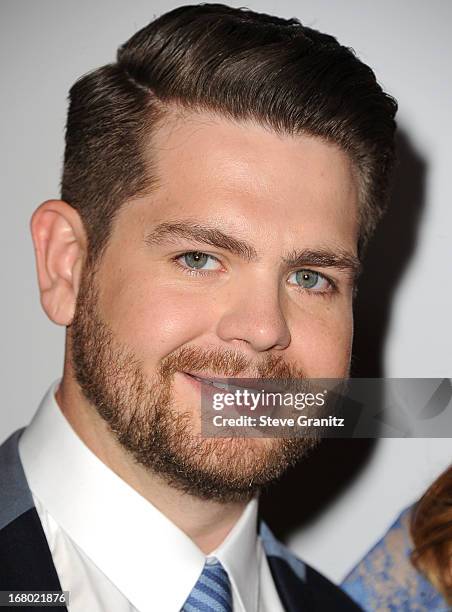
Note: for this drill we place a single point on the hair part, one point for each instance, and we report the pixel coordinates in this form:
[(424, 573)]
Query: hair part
[(242, 65)]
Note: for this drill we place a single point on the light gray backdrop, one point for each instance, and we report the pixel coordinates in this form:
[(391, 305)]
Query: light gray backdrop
[(46, 45)]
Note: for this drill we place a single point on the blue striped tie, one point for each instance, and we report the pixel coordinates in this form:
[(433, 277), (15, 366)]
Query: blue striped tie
[(212, 592)]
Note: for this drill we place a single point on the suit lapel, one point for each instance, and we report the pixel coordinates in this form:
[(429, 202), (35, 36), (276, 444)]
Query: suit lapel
[(25, 559), (288, 573), (293, 592), (299, 586), (26, 562)]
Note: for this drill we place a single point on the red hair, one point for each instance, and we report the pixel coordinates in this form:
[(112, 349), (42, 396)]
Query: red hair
[(431, 530)]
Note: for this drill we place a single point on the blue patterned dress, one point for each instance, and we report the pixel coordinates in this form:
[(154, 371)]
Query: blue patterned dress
[(385, 581)]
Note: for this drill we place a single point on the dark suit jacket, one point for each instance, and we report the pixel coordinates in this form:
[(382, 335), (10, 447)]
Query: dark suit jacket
[(26, 562)]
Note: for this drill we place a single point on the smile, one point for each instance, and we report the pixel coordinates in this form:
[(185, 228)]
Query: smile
[(225, 386), (212, 383)]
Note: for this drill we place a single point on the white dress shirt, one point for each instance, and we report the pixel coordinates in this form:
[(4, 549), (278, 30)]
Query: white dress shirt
[(112, 549)]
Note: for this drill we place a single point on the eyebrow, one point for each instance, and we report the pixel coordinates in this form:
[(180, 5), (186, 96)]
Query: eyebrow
[(323, 257), (201, 233)]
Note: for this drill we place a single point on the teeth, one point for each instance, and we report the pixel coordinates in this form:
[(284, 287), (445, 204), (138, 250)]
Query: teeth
[(218, 385), (212, 383)]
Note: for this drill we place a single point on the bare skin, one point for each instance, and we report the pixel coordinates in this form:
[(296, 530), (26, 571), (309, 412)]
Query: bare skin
[(280, 194)]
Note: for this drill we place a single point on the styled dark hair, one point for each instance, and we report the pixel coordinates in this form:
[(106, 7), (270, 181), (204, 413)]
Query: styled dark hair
[(234, 62)]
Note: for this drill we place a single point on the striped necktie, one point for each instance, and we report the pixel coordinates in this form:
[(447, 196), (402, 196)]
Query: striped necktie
[(212, 592)]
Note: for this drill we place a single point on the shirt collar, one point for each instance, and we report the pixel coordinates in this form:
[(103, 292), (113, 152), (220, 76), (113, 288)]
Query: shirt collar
[(102, 514)]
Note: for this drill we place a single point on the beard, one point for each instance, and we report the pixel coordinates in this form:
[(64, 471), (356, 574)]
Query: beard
[(162, 434)]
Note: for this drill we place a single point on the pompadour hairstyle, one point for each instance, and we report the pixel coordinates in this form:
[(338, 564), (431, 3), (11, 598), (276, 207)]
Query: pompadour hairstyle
[(240, 64)]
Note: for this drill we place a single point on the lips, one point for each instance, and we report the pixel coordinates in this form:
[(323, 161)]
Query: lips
[(209, 381), (227, 384)]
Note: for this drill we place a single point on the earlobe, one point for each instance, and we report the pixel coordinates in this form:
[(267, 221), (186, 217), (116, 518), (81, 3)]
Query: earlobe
[(60, 247)]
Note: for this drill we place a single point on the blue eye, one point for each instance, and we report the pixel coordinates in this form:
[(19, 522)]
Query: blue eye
[(195, 260), (312, 281)]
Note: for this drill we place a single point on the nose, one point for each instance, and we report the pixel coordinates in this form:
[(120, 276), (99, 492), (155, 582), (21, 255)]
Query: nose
[(254, 315)]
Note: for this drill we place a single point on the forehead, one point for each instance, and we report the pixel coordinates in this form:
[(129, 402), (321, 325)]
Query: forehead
[(240, 172)]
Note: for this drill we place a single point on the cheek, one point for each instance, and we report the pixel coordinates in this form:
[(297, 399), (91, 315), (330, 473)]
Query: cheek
[(153, 319), (322, 344)]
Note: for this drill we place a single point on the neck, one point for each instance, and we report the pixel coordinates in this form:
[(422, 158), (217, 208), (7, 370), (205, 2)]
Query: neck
[(206, 522)]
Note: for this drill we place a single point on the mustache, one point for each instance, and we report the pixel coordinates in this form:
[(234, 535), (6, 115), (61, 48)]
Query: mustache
[(226, 362)]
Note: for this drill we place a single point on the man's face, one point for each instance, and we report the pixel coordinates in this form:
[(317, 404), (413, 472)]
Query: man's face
[(238, 264)]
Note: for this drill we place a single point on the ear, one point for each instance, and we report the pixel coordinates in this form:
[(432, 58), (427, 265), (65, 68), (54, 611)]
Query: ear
[(60, 248)]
